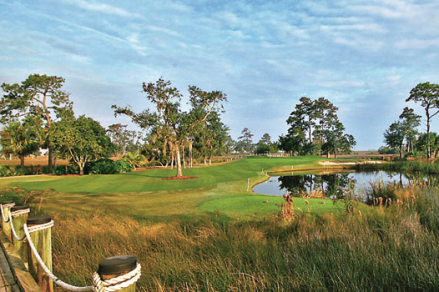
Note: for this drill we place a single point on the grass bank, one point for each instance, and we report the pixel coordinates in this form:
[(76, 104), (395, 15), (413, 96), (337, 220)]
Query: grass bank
[(385, 249)]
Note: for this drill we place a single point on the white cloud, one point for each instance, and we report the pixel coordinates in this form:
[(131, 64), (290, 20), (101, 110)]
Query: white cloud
[(355, 53), (104, 8), (417, 44), (163, 30)]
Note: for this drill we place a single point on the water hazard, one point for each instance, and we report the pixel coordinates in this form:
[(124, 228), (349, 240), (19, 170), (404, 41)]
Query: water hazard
[(329, 185)]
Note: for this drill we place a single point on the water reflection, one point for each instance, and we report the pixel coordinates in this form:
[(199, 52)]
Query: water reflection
[(334, 185), (316, 185)]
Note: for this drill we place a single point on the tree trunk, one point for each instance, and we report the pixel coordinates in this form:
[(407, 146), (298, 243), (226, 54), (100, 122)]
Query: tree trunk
[(81, 168), (50, 159), (205, 160), (210, 160), (428, 132), (183, 158), (179, 170), (190, 154), (22, 160)]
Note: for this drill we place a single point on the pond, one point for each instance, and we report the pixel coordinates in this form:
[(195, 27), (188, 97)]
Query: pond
[(334, 185)]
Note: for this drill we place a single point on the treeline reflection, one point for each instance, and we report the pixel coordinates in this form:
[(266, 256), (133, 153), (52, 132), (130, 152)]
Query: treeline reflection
[(337, 185)]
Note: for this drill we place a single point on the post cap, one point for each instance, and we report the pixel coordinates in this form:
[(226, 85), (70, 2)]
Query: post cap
[(17, 208), (117, 265), (7, 202), (38, 220)]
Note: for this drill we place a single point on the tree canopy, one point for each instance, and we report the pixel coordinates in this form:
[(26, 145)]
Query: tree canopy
[(19, 139), (315, 129), (39, 98), (167, 121), (82, 139), (427, 94)]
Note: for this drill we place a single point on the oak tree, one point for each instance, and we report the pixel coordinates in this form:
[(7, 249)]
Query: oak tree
[(83, 139), (167, 120), (39, 97), (428, 95)]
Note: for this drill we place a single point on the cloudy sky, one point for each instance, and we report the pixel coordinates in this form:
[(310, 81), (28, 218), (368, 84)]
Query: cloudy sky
[(362, 55)]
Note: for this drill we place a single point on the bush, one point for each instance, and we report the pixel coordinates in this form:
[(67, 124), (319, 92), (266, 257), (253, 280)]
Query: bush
[(123, 166), (100, 166), (63, 170), (13, 171), (387, 150), (4, 171), (107, 166)]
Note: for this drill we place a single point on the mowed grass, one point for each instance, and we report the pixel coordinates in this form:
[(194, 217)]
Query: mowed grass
[(152, 180), (144, 195)]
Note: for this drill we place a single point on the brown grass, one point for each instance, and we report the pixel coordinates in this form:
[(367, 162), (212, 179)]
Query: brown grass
[(28, 161)]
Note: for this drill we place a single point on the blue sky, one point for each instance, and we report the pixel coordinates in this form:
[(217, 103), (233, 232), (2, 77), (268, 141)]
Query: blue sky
[(364, 56)]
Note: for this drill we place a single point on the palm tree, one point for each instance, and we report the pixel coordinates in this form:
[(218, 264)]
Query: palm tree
[(134, 158), (18, 139)]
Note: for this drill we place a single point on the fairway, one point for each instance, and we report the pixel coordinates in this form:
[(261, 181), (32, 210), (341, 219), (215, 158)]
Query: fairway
[(144, 195)]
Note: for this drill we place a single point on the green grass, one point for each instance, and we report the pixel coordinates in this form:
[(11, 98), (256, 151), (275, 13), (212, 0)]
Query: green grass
[(211, 234), (144, 195), (151, 180)]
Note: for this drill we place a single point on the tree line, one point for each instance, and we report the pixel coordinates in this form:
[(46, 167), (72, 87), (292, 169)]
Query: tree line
[(38, 114), (316, 130), (404, 137)]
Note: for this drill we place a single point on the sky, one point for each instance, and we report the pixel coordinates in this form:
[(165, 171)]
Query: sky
[(363, 55)]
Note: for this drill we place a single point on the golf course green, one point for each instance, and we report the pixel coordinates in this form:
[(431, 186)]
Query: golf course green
[(145, 195)]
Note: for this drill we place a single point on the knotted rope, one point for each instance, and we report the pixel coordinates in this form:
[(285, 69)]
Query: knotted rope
[(40, 227), (20, 212), (110, 285), (117, 283)]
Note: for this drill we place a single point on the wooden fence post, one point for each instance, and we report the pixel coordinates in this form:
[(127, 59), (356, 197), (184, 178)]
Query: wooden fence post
[(124, 271), (6, 207), (42, 239), (19, 215)]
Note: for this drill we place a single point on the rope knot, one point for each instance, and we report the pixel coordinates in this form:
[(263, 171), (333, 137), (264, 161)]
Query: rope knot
[(117, 283)]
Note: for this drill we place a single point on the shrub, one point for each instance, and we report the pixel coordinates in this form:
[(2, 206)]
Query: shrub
[(122, 165), (4, 171), (13, 171), (63, 170), (107, 166), (100, 166)]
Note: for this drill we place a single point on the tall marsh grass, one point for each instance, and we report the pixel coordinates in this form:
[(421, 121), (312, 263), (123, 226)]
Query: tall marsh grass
[(390, 248), (385, 247)]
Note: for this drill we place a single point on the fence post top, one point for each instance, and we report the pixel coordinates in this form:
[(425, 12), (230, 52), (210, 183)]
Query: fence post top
[(39, 220), (17, 208), (117, 265), (7, 204)]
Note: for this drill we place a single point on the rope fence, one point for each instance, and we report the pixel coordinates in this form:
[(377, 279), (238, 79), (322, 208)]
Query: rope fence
[(118, 273), (9, 205), (16, 213)]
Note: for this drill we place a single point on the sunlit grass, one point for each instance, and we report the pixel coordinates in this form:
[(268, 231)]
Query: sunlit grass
[(211, 234)]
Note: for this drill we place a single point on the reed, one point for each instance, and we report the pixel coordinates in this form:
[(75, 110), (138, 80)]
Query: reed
[(384, 249)]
